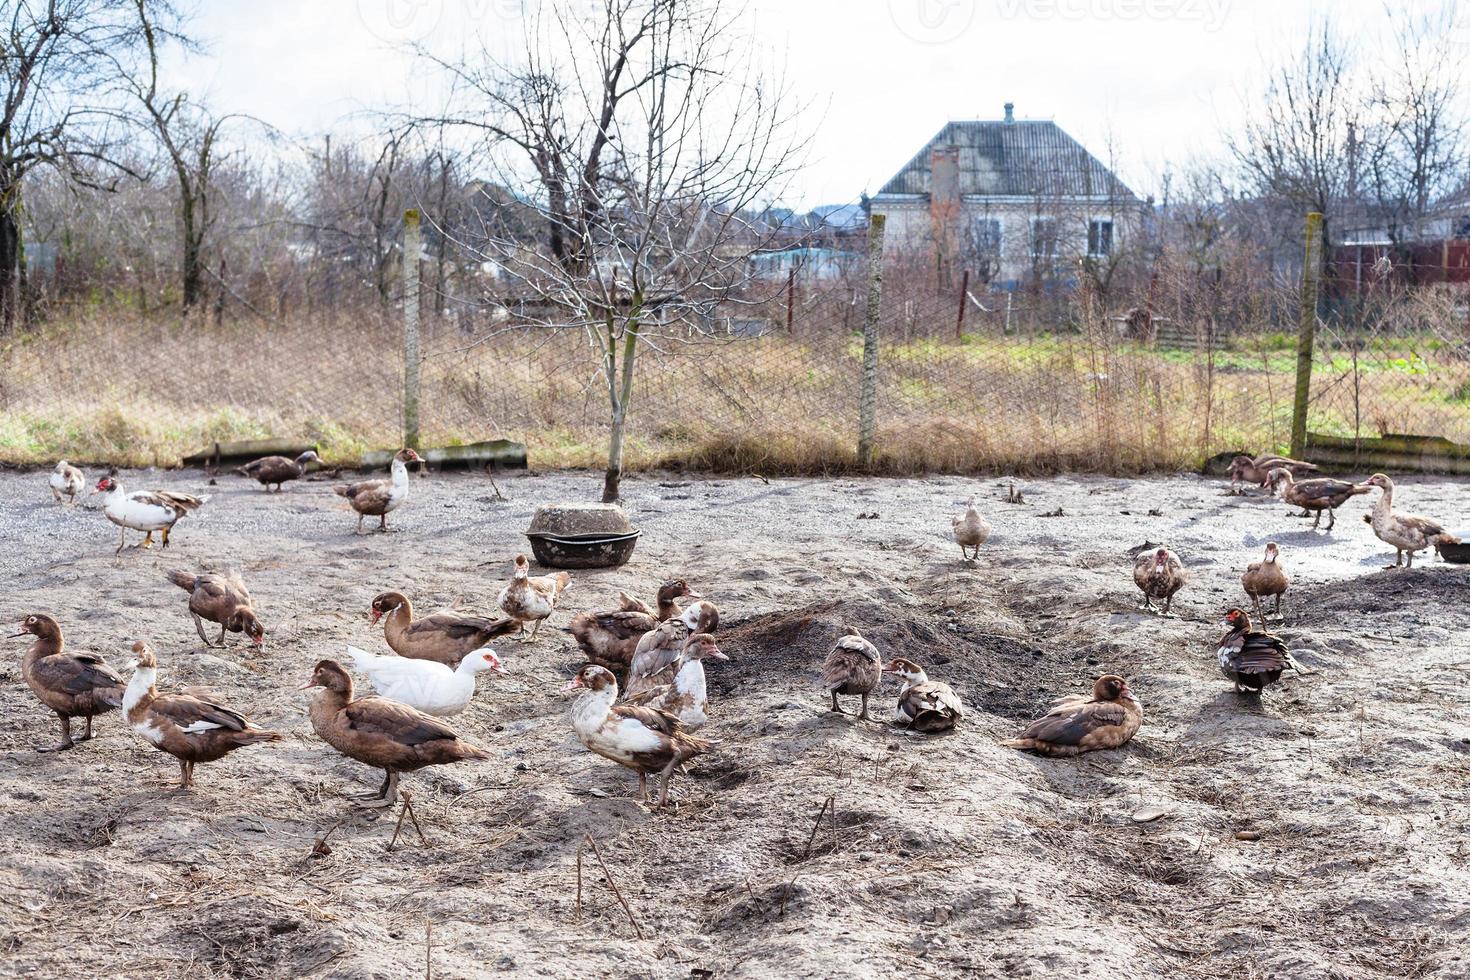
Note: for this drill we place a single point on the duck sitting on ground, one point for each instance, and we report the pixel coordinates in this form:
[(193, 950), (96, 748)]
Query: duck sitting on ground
[(686, 696), (74, 685), (1159, 573), (388, 735), (1256, 471), (66, 480), (379, 498), (444, 637), (646, 740), (1250, 658), (610, 639), (188, 728), (852, 668), (923, 705), (656, 657), (1266, 578), (144, 510), (222, 599), (1408, 533), (531, 599), (1078, 724), (1314, 496), (427, 685), (277, 470), (970, 530)]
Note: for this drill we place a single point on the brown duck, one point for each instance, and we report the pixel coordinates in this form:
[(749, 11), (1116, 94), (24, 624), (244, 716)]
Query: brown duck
[(188, 728), (1248, 657), (923, 705), (609, 639), (444, 637), (74, 685), (222, 599), (385, 734), (1257, 470), (277, 470), (532, 598), (853, 668), (1080, 724), (1323, 493), (655, 660), (1266, 578), (379, 498), (1159, 574)]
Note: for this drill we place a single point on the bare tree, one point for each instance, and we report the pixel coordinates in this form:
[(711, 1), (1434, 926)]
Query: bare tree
[(642, 144)]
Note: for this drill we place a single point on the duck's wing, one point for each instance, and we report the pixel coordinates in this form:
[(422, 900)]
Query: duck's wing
[(461, 627), (1261, 653), (399, 722), (175, 500), (627, 603), (1424, 525), (78, 673), (650, 698), (367, 492), (1069, 724), (936, 696), (194, 714), (654, 719)]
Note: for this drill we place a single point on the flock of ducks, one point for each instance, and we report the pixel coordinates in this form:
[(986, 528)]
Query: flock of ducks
[(644, 693)]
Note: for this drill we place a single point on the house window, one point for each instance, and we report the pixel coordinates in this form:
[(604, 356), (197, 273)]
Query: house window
[(987, 237), (1462, 226), (1099, 238), (1043, 238)]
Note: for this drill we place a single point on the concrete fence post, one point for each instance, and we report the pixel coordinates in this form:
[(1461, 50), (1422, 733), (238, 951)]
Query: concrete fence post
[(411, 328), (1306, 330), (868, 405)]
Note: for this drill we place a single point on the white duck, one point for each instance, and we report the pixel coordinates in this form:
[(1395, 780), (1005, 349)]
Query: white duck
[(144, 510), (427, 685), (66, 479)]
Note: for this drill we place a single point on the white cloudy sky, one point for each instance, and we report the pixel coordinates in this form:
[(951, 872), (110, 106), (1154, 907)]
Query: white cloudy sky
[(1160, 77)]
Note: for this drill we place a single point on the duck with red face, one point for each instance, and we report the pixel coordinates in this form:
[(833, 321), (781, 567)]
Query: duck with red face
[(1250, 658)]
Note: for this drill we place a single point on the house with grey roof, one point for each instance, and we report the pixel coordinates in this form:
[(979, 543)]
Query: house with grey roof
[(1016, 202)]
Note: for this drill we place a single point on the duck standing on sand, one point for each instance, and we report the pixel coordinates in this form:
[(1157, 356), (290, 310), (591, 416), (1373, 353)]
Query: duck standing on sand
[(74, 685), (387, 735), (222, 599), (1257, 470), (379, 498), (144, 510), (277, 470), (685, 696), (1314, 496), (1408, 533), (1159, 574), (656, 657), (431, 687), (646, 740), (1250, 658), (1266, 578), (610, 639), (444, 637), (970, 530), (66, 479), (529, 599), (923, 705), (852, 668), (1079, 724), (190, 729)]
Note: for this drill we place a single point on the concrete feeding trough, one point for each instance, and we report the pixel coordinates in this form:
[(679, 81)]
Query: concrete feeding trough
[(581, 536), (1457, 553), (498, 453), (245, 450)]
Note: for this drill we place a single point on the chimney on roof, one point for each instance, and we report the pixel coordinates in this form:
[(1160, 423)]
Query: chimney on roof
[(1010, 112)]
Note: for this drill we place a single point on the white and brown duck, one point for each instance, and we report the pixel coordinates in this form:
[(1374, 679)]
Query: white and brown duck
[(220, 598), (610, 639), (1314, 496), (643, 739), (970, 530), (655, 659), (532, 598), (1248, 657), (1266, 578), (1407, 533), (387, 735), (1159, 574), (74, 685), (66, 481), (853, 668), (445, 637), (379, 498), (1078, 724), (685, 696), (144, 510), (923, 705), (190, 729), (271, 471), (1256, 470)]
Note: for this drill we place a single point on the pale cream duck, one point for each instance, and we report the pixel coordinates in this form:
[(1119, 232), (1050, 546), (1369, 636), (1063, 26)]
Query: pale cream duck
[(1266, 578), (532, 599), (970, 530), (66, 480), (1407, 533), (427, 685)]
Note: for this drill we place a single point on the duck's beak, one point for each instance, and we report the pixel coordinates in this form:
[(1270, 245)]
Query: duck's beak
[(496, 668), (718, 654), (572, 684), (374, 615), (16, 636), (693, 595), (309, 684)]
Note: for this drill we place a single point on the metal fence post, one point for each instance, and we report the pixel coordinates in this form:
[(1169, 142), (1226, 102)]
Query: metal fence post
[(868, 405), (411, 328), (959, 322), (1306, 331)]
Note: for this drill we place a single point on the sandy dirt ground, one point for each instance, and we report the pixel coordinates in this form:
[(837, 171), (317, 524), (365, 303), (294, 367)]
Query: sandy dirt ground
[(948, 856)]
